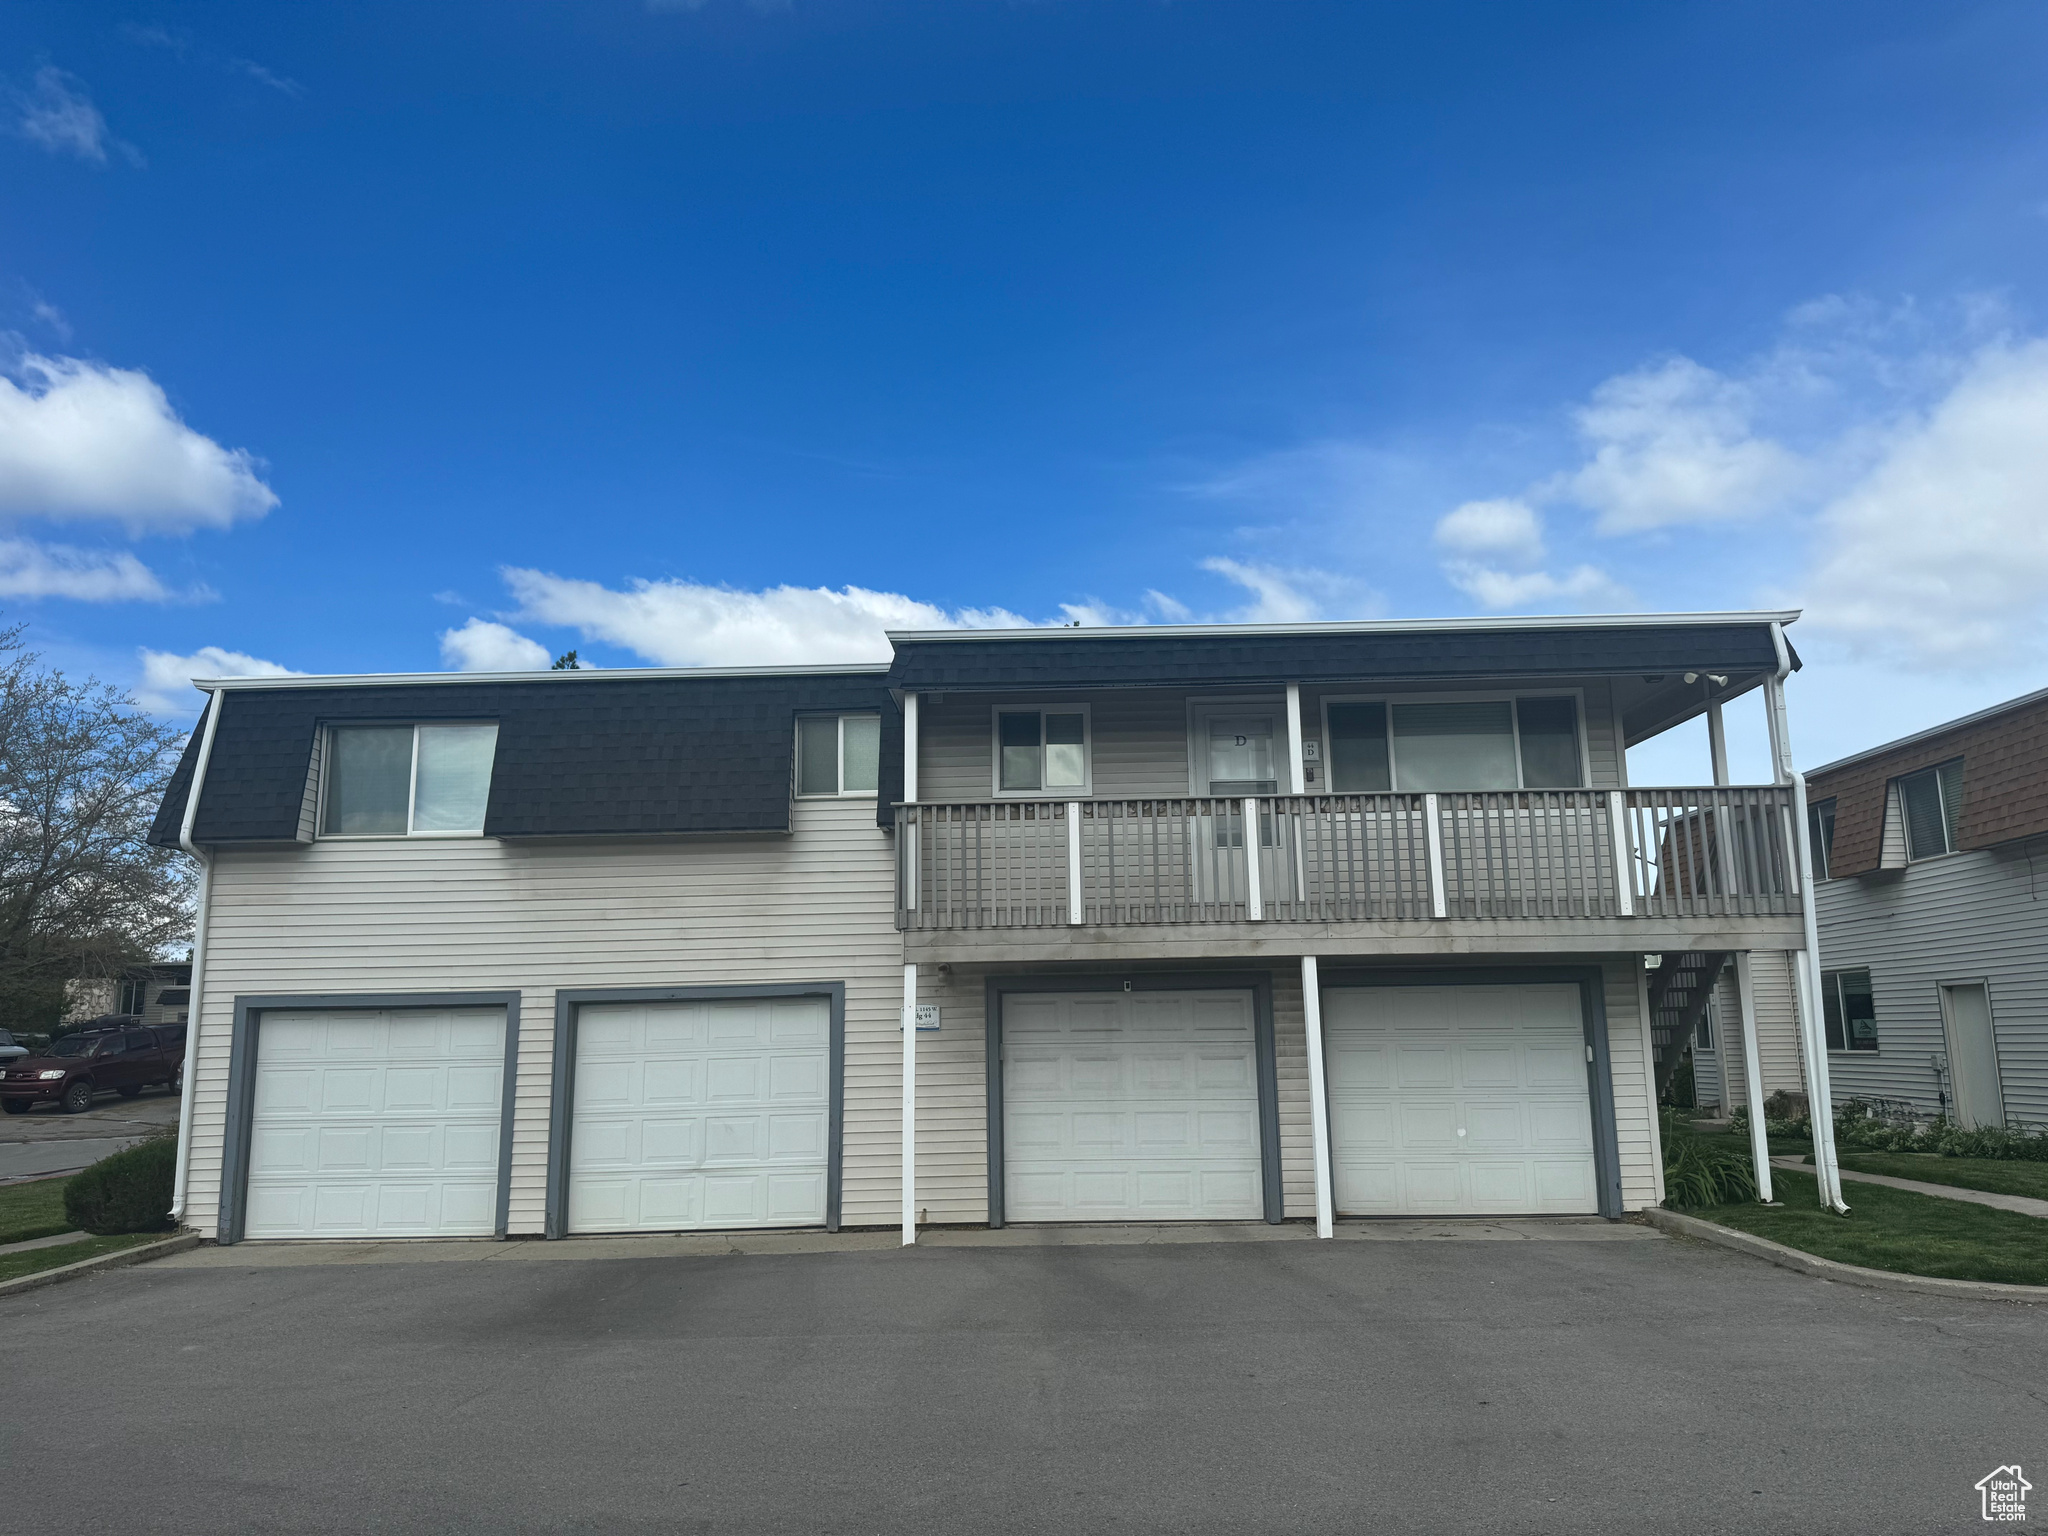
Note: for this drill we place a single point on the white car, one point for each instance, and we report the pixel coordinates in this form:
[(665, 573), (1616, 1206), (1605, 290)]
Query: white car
[(9, 1051)]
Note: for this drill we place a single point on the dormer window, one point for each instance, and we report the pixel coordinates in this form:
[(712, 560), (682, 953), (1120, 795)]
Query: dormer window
[(407, 780), (838, 754), (1933, 802)]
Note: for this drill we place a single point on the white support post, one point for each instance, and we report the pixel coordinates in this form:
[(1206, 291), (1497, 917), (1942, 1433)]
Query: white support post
[(1318, 1093), (1717, 742), (1254, 899), (910, 748), (1438, 905), (1753, 1079), (1297, 768), (1820, 1105), (1617, 834), (1074, 912), (909, 1105)]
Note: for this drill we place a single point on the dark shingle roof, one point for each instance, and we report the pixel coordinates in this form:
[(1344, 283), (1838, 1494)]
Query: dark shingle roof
[(588, 756)]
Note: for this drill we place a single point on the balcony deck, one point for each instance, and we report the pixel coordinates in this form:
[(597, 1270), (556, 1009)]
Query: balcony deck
[(1507, 872)]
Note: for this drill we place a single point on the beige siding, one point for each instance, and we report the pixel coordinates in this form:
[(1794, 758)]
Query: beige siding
[(1628, 1058), (309, 806), (484, 915), (1139, 736)]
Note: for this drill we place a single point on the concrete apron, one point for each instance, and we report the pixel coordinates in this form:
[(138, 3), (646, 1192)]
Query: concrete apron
[(271, 1255)]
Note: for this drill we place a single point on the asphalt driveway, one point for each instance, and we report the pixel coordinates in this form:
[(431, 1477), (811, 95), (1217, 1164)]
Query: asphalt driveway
[(46, 1140), (1286, 1387)]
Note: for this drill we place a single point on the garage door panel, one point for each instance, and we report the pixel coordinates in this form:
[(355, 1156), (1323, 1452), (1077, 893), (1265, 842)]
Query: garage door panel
[(750, 1145), (1505, 1065), (1130, 1107), (370, 1123)]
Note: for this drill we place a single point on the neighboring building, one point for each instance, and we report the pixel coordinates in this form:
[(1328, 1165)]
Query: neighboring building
[(641, 950), (1933, 916), (156, 994)]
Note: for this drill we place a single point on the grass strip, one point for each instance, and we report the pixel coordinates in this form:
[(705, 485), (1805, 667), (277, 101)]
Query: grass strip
[(34, 1209), (14, 1265), (1897, 1230), (1997, 1176)]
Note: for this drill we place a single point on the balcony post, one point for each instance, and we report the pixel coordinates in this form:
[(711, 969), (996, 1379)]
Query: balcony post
[(909, 1105), (1074, 913), (1438, 905), (1753, 1079), (1618, 835), (1254, 902), (1318, 1093)]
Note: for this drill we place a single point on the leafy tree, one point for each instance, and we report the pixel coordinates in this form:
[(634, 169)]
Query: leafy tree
[(566, 662), (81, 891)]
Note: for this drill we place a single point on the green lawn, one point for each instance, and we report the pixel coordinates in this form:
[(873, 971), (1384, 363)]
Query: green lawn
[(2001, 1176), (1898, 1230), (14, 1265), (32, 1210)]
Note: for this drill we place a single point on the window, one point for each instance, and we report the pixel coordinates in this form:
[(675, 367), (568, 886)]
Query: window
[(140, 1040), (1041, 751), (1530, 743), (1703, 1032), (838, 754), (1820, 832), (111, 1045), (408, 780), (132, 995), (174, 997), (1846, 1006), (1933, 799)]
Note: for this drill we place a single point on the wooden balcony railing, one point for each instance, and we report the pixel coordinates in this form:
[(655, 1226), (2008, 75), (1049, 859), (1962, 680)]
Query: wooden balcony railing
[(1508, 854)]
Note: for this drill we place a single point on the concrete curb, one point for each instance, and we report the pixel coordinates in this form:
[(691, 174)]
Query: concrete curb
[(1830, 1269), (142, 1253)]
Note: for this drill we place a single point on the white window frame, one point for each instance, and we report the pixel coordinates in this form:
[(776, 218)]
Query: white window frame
[(412, 785), (841, 793), (1941, 799), (1831, 978), (1514, 720), (1086, 791)]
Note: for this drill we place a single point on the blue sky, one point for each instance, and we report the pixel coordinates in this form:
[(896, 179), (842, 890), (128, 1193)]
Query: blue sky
[(396, 337)]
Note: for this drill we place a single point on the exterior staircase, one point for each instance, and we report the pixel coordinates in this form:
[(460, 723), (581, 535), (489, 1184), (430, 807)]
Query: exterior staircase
[(1679, 990)]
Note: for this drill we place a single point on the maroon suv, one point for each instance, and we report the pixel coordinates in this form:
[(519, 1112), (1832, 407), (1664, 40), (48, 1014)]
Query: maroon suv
[(122, 1058)]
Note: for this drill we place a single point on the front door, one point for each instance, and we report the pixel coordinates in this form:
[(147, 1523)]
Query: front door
[(1973, 1055)]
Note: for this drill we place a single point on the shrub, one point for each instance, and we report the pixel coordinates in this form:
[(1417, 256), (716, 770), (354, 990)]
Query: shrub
[(1698, 1172), (1863, 1127), (128, 1192)]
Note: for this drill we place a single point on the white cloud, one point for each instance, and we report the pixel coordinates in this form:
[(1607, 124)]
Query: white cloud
[(1586, 588), (481, 646), (166, 684), (1938, 555), (1283, 595), (57, 114), (1672, 445), (1505, 529), (1496, 550), (29, 569), (82, 440), (689, 624)]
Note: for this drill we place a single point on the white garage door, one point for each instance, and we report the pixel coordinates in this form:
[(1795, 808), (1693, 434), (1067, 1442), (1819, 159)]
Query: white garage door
[(375, 1124), (1130, 1107), (1459, 1101), (700, 1115)]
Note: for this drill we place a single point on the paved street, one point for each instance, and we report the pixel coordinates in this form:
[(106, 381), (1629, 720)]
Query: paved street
[(47, 1140), (1567, 1386)]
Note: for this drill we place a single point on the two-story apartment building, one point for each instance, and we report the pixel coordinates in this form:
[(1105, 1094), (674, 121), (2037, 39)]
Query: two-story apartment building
[(1933, 917), (1201, 923)]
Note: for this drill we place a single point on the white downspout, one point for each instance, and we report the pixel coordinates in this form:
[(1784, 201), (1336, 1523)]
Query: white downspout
[(198, 998), (1819, 1091)]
